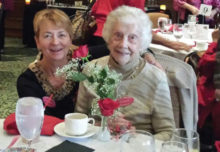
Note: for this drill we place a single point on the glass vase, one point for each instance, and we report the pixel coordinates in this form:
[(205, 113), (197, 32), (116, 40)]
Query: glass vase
[(104, 134)]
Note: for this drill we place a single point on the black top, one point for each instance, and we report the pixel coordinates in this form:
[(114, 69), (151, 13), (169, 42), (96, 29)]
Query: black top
[(28, 85)]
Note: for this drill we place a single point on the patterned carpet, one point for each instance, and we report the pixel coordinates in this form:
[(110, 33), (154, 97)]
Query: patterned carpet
[(14, 61)]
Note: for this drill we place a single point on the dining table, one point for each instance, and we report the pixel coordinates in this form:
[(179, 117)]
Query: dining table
[(44, 143), (181, 54)]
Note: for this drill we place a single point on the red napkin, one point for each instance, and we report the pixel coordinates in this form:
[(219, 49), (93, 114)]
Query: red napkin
[(49, 123), (171, 28), (217, 145)]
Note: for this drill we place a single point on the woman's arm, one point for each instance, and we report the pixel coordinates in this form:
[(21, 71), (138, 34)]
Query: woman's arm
[(171, 44), (27, 85), (191, 8)]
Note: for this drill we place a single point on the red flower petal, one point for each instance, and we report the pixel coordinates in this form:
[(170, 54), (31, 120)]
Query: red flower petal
[(82, 51), (125, 101)]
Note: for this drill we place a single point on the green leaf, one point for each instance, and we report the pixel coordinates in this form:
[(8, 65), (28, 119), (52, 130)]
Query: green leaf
[(78, 76), (110, 81), (103, 73), (91, 79)]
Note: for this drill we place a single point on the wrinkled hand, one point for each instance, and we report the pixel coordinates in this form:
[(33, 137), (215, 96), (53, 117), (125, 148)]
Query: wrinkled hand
[(151, 59), (119, 125), (217, 94), (180, 46)]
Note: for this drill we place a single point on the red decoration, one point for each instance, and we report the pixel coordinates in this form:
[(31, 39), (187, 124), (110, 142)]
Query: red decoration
[(125, 101), (81, 52), (107, 106)]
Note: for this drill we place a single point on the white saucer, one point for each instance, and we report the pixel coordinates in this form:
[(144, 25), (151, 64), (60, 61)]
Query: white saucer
[(60, 130)]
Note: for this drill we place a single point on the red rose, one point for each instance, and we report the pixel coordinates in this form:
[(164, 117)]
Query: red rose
[(81, 52), (107, 106)]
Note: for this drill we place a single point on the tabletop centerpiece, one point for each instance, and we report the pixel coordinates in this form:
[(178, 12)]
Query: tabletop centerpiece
[(103, 81)]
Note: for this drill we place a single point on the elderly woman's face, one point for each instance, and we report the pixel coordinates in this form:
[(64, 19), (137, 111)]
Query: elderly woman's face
[(53, 41), (124, 43)]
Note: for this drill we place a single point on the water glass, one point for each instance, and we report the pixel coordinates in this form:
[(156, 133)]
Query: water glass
[(192, 19), (189, 30), (162, 21), (174, 146), (168, 25), (178, 31), (137, 140), (189, 137), (29, 118)]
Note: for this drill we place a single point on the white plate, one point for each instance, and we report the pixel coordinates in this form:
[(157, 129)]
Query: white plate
[(60, 130)]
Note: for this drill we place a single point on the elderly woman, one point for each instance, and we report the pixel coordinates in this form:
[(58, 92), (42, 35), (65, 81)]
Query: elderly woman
[(53, 35), (127, 32)]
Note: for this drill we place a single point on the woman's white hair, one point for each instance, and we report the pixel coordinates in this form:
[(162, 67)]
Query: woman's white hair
[(129, 15)]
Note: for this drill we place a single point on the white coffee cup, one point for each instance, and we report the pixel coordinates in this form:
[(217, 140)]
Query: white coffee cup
[(77, 123)]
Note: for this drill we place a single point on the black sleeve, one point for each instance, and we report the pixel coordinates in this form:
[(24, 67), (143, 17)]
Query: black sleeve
[(28, 85)]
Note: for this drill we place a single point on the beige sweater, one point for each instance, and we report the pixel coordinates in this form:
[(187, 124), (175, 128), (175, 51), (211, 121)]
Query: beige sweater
[(151, 110)]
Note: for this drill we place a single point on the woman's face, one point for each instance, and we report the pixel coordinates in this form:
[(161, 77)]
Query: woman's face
[(124, 43), (53, 41)]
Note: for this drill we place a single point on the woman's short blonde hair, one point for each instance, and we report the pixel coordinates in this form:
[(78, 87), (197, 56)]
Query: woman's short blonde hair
[(129, 15), (58, 17)]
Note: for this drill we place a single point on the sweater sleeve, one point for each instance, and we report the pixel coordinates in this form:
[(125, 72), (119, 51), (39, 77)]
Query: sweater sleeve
[(27, 85), (162, 117)]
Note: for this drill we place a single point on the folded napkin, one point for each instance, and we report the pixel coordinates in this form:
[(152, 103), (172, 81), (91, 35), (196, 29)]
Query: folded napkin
[(67, 146), (217, 145), (48, 125)]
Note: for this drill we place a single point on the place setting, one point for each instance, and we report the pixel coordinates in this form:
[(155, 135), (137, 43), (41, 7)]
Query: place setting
[(76, 126)]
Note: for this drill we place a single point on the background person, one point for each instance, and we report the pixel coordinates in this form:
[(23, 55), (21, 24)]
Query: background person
[(183, 7), (7, 5), (102, 8), (127, 32), (53, 36)]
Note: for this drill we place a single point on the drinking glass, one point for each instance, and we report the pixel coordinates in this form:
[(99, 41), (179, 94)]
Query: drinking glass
[(191, 30), (168, 25), (174, 146), (162, 21), (178, 31), (189, 137), (191, 19), (29, 118), (137, 140)]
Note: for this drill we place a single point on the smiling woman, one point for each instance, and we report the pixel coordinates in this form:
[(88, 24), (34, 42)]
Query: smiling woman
[(53, 36), (127, 32)]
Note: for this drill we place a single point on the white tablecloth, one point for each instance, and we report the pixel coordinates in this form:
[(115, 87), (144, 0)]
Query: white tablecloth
[(46, 142), (178, 54)]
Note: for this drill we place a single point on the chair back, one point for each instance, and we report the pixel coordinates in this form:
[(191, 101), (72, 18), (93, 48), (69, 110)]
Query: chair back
[(154, 18), (183, 91)]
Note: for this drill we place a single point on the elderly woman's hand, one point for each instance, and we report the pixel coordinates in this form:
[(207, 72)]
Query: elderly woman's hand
[(151, 59), (119, 125)]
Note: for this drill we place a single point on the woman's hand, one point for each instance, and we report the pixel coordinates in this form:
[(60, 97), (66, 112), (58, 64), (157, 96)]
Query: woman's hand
[(151, 59), (191, 8), (119, 125)]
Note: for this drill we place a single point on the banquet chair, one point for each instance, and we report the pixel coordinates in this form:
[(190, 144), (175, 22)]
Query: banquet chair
[(154, 17), (182, 83)]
